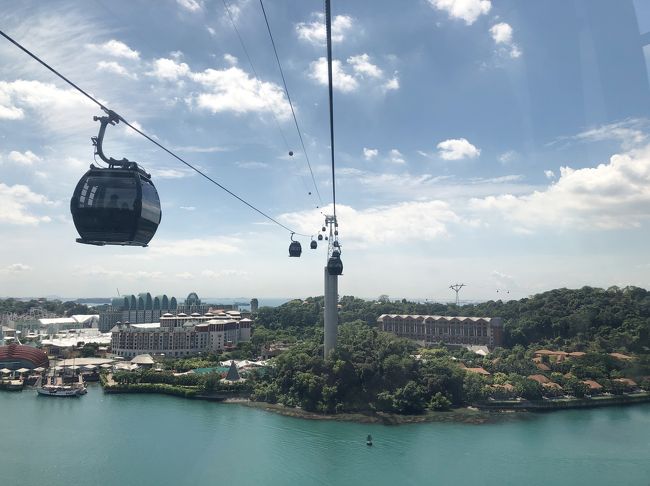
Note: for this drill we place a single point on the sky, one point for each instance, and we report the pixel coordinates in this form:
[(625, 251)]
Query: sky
[(500, 144)]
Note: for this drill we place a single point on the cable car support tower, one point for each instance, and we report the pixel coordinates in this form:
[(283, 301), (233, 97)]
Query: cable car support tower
[(334, 266)]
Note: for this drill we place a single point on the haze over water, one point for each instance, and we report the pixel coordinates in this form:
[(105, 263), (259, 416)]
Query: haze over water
[(148, 439)]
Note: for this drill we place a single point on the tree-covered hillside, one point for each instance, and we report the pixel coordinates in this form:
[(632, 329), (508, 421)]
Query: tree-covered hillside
[(611, 319)]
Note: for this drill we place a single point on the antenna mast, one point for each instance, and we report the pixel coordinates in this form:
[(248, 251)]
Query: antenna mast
[(456, 288)]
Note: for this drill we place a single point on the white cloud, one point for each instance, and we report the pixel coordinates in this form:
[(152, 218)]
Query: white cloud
[(170, 173), (515, 52), (361, 65), (369, 153), (507, 157), (188, 208), (115, 68), (233, 89), (341, 80), (17, 268), (10, 112), (252, 165), (58, 109), (549, 174), (610, 196), (502, 36), (169, 69), (396, 157), (115, 48), (503, 280), (27, 158), (224, 273), (192, 248), (191, 5), (392, 84), (200, 150), (230, 59), (467, 10), (314, 31), (628, 132), (13, 205), (121, 274), (501, 33), (457, 149), (416, 220)]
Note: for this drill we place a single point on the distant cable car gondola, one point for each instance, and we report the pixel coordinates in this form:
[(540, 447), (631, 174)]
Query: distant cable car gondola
[(320, 237), (118, 205), (334, 264), (295, 249), (313, 245)]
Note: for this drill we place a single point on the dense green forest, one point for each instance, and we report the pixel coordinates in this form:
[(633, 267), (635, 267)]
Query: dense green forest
[(55, 306), (611, 319), (375, 371)]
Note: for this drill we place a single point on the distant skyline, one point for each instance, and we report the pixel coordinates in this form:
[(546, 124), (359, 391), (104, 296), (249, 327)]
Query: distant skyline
[(500, 144)]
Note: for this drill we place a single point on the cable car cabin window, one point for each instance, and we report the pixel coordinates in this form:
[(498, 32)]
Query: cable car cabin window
[(121, 194), (150, 203)]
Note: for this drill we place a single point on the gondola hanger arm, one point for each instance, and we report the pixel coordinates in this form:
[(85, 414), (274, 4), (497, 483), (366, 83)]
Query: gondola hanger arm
[(112, 118)]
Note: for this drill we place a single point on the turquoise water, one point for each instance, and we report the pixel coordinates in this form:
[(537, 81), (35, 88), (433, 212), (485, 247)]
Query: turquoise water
[(218, 369), (157, 440)]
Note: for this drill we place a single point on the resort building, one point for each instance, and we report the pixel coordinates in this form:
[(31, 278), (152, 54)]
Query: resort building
[(181, 335), (145, 308), (444, 329)]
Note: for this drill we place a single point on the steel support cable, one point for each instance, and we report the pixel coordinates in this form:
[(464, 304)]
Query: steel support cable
[(293, 113), (250, 62), (328, 29), (226, 6), (162, 147)]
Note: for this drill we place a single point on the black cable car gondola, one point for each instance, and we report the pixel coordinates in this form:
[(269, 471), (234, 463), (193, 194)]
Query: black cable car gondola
[(313, 245), (334, 264), (320, 237), (118, 205), (295, 249)]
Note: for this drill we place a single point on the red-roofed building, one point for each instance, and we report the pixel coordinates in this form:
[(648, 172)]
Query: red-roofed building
[(541, 379)]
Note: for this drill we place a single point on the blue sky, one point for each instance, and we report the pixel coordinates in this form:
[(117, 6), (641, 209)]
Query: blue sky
[(498, 143)]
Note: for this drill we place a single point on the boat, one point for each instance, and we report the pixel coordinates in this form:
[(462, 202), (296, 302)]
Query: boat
[(54, 386), (62, 390), (11, 385), (369, 440)]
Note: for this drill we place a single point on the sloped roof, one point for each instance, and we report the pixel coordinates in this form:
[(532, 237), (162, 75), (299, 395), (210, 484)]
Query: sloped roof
[(143, 359), (593, 385), (541, 379), (419, 317)]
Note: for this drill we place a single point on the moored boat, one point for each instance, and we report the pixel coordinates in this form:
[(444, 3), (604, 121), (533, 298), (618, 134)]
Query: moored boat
[(73, 390), (55, 386)]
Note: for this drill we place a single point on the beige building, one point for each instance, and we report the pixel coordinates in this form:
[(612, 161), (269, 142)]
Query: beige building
[(181, 335), (446, 329)]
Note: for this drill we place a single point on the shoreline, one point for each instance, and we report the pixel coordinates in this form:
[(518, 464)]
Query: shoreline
[(467, 415), (483, 413)]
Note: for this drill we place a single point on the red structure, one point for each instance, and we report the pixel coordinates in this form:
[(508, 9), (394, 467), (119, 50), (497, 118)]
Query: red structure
[(17, 356)]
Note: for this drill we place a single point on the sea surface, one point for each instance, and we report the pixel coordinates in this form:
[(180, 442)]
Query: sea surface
[(158, 440)]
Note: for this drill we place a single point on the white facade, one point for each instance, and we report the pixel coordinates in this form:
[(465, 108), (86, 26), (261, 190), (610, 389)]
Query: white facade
[(180, 336)]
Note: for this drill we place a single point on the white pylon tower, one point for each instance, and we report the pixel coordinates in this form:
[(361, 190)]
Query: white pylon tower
[(331, 316), (456, 288)]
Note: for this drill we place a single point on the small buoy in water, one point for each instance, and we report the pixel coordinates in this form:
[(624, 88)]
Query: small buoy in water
[(369, 440), (290, 153)]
